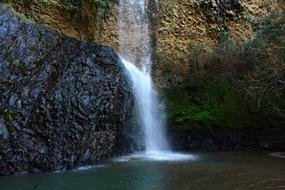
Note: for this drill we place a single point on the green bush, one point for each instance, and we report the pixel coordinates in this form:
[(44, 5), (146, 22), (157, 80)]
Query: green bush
[(209, 104), (256, 69), (237, 84)]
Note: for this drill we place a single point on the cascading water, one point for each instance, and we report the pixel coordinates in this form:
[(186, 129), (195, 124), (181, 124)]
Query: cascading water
[(135, 45), (151, 113), (134, 41)]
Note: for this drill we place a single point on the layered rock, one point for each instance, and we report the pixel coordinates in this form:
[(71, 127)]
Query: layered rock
[(190, 24), (178, 27), (62, 102)]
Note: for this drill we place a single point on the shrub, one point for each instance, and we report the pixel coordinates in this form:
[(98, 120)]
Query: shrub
[(209, 104), (89, 9), (256, 68)]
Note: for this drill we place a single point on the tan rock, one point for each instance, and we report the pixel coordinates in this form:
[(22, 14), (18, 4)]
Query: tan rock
[(182, 26)]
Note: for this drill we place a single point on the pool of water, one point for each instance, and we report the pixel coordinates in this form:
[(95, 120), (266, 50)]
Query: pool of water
[(201, 171)]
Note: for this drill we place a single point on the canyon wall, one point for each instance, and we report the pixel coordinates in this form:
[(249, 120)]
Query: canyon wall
[(178, 26)]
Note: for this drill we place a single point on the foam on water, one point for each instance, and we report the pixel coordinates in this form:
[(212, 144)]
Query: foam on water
[(158, 156), (88, 167)]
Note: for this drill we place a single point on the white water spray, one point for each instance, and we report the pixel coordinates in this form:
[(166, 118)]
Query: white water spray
[(150, 112), (134, 41)]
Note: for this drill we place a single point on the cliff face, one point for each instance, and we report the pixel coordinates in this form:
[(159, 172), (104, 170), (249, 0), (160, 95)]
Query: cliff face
[(190, 24), (181, 26), (178, 27), (62, 102)]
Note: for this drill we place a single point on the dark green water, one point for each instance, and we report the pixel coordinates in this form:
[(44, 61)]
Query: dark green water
[(211, 171)]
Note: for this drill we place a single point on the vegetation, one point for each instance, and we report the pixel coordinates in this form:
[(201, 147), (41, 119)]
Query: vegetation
[(256, 68), (87, 15), (20, 15), (89, 10), (208, 104), (8, 118), (237, 83)]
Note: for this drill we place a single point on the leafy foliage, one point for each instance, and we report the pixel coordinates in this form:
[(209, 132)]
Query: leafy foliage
[(209, 104), (256, 69), (238, 84)]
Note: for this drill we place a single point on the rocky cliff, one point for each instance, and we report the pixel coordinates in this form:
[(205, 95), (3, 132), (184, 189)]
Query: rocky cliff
[(190, 24), (179, 26), (62, 102)]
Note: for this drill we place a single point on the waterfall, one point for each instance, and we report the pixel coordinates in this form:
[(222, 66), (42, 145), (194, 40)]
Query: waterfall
[(150, 111), (136, 55), (134, 41)]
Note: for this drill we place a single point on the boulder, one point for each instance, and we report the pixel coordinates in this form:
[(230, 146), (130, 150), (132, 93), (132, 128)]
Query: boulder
[(62, 102)]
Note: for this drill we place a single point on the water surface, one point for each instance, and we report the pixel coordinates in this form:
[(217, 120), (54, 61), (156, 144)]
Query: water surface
[(205, 171)]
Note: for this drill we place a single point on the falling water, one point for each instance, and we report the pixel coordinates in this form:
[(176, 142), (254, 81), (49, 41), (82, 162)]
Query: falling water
[(151, 113), (134, 40)]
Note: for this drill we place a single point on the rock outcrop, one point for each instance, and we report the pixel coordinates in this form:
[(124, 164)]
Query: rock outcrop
[(62, 102), (190, 24), (179, 27)]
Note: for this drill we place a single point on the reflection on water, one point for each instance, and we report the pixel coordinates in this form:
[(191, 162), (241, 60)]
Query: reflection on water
[(214, 171)]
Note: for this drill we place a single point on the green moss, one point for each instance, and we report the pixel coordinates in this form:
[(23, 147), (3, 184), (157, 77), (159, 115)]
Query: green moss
[(210, 104), (8, 118), (84, 10), (90, 13), (71, 5), (23, 17)]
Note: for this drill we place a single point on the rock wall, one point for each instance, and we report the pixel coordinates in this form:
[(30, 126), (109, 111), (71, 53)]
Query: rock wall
[(62, 102), (54, 14), (180, 26), (189, 24)]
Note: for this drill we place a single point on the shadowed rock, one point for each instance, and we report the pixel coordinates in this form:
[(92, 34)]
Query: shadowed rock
[(62, 102)]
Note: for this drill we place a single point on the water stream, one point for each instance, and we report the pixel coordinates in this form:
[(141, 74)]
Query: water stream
[(135, 45)]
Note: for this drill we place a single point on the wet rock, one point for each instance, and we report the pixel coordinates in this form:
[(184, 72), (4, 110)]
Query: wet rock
[(3, 131), (259, 138), (63, 102)]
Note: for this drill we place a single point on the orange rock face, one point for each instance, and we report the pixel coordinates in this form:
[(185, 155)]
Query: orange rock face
[(181, 26)]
